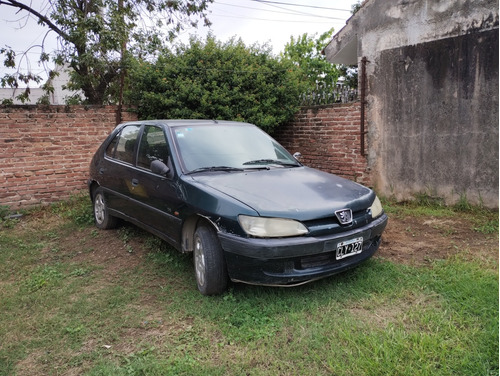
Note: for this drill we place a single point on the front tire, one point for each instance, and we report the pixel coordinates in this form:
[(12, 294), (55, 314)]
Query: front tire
[(102, 218), (209, 263)]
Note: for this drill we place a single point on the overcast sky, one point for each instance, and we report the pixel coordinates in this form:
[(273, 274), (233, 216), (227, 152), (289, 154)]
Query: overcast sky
[(255, 21), (274, 21)]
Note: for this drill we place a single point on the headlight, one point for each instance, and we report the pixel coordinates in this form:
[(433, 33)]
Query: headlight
[(271, 227), (376, 208)]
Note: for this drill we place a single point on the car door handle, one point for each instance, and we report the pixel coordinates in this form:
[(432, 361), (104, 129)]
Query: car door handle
[(135, 182)]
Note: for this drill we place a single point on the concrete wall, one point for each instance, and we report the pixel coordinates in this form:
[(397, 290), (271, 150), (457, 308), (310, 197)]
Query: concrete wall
[(45, 151), (440, 119), (328, 137), (432, 95)]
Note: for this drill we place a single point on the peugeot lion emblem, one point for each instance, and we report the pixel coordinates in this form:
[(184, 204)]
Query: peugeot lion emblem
[(344, 216)]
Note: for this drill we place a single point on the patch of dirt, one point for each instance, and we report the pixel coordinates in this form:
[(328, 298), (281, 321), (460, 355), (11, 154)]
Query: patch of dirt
[(116, 249), (107, 248), (420, 240)]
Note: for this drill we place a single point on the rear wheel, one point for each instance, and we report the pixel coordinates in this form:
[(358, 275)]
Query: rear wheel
[(103, 219), (209, 263)]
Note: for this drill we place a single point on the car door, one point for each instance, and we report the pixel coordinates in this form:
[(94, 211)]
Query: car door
[(116, 171), (157, 195)]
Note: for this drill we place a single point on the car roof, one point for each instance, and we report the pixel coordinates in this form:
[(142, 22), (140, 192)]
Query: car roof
[(186, 122)]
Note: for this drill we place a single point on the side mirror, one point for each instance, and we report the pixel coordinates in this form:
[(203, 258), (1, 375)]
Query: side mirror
[(297, 156), (160, 168)]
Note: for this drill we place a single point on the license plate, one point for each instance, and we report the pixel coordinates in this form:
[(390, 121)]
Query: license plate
[(349, 248)]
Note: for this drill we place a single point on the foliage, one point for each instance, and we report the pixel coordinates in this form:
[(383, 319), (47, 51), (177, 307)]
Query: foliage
[(356, 7), (15, 79), (94, 35), (214, 80), (306, 53), (350, 75)]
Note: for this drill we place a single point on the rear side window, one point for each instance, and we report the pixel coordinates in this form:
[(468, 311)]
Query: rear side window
[(122, 147)]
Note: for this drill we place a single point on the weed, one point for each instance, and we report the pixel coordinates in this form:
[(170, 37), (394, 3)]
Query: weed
[(424, 199), (463, 204), (80, 272), (78, 209), (490, 227), (8, 220), (126, 233), (42, 277), (4, 212)]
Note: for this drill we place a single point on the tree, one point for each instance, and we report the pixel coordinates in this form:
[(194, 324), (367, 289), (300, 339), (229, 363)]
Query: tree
[(94, 36), (214, 80), (306, 53), (356, 6)]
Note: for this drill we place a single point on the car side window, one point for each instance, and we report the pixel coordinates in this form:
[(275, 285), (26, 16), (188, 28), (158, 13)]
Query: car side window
[(110, 150), (123, 145), (153, 147)]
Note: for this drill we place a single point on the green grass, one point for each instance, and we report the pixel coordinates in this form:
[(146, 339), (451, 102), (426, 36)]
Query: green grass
[(62, 312)]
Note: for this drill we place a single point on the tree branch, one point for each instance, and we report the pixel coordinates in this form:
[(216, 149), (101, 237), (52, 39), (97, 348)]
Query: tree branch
[(41, 17)]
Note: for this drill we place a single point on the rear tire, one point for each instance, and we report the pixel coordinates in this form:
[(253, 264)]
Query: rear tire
[(209, 263), (102, 218)]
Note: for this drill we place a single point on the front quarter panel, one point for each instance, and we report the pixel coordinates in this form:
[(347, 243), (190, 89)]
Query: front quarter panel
[(221, 209)]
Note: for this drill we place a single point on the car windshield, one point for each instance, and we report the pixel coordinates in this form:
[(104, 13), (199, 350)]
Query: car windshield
[(228, 147)]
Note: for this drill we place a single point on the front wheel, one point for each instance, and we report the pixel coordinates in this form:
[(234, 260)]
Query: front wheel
[(209, 263), (103, 219)]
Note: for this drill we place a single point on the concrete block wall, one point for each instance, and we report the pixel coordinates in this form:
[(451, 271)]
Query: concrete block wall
[(329, 139), (45, 151)]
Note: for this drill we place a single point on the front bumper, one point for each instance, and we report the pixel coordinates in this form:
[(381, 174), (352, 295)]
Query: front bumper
[(290, 261)]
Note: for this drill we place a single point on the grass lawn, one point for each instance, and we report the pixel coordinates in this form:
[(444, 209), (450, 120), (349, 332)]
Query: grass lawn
[(75, 300)]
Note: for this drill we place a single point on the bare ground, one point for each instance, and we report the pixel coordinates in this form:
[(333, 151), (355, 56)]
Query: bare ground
[(420, 240)]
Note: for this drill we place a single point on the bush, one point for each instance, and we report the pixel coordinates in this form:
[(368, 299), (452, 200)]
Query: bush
[(213, 80)]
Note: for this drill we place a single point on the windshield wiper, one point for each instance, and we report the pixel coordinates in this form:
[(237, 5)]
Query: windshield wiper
[(271, 161), (214, 168)]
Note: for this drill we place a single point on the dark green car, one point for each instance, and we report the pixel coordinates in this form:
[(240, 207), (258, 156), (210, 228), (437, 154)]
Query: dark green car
[(236, 199)]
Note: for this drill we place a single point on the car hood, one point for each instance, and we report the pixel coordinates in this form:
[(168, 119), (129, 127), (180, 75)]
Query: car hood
[(301, 193)]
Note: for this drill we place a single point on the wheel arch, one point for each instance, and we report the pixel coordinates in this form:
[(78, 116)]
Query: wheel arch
[(189, 227), (93, 185)]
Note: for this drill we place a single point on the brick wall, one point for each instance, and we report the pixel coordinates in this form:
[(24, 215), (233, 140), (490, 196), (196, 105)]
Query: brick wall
[(45, 151), (328, 137)]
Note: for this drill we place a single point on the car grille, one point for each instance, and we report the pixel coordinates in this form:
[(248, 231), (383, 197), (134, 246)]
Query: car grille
[(331, 225), (329, 258), (316, 261)]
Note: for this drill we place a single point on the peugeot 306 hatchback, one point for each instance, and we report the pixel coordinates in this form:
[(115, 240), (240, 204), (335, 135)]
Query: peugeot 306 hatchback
[(230, 194)]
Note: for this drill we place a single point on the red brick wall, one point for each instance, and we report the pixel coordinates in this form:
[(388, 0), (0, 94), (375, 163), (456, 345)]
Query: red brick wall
[(328, 137), (45, 151)]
